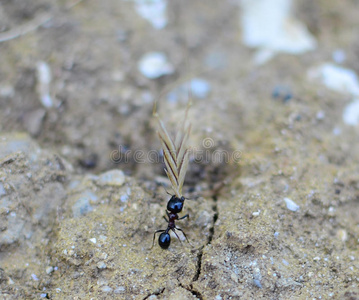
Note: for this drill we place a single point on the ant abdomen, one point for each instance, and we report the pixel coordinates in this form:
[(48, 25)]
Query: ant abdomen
[(164, 240)]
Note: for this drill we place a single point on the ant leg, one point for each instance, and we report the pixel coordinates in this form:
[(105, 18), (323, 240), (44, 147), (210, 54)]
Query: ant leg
[(176, 235), (186, 216), (184, 235), (165, 219), (154, 235)]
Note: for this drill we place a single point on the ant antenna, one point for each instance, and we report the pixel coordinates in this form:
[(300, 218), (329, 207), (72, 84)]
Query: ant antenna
[(166, 189), (189, 199)]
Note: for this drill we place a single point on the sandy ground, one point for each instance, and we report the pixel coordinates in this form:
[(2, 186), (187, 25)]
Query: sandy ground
[(276, 217)]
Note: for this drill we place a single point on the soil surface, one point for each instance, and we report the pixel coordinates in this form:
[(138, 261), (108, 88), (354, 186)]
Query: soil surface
[(273, 181)]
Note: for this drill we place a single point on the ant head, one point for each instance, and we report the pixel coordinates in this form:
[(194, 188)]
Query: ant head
[(175, 204)]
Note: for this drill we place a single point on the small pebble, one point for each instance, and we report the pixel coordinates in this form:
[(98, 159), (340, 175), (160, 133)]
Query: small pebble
[(49, 270), (351, 113), (336, 78), (320, 115), (82, 205), (257, 277), (153, 11), (112, 178), (34, 277), (106, 289), (44, 79), (93, 240), (272, 26), (257, 283), (291, 205), (101, 265), (154, 65), (103, 255), (234, 277), (124, 198), (120, 290), (200, 88), (342, 235), (256, 214)]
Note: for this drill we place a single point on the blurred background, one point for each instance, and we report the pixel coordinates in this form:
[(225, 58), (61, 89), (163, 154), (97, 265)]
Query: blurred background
[(81, 77)]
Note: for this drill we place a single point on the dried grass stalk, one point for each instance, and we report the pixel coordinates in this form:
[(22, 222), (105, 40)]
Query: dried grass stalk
[(175, 153)]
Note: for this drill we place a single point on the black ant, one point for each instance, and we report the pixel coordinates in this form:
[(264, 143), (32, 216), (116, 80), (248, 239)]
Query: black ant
[(175, 154), (174, 206)]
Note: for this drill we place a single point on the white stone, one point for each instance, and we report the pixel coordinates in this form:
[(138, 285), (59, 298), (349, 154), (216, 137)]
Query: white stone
[(113, 178), (256, 213), (270, 25), (154, 65), (120, 290), (351, 113), (44, 79), (106, 289), (154, 11), (200, 88), (291, 205), (101, 265), (336, 78), (34, 277)]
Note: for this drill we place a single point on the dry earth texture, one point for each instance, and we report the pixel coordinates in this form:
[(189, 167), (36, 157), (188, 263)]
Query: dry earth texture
[(273, 179)]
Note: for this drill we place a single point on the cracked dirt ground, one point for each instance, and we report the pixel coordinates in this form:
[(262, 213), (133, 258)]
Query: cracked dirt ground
[(69, 229)]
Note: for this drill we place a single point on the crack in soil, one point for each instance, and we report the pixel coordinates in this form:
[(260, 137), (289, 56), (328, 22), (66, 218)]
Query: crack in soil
[(192, 291), (215, 218), (199, 265), (200, 253)]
